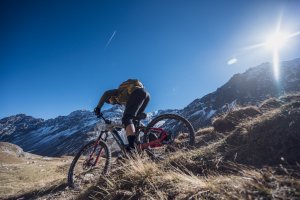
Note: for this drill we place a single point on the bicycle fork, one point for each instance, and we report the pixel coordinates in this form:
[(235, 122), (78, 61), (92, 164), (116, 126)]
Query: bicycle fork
[(95, 147)]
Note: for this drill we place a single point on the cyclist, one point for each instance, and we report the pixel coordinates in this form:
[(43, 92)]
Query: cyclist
[(134, 97)]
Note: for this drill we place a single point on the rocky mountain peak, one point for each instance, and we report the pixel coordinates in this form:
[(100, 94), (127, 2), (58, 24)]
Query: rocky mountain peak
[(65, 134), (248, 88)]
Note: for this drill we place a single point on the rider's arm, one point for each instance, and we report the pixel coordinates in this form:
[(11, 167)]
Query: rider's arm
[(105, 97)]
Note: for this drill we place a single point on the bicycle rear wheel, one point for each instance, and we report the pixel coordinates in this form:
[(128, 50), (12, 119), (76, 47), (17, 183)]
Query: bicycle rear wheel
[(180, 131), (85, 169)]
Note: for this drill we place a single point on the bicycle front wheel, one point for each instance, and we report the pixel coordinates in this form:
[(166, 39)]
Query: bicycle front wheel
[(179, 129), (89, 164)]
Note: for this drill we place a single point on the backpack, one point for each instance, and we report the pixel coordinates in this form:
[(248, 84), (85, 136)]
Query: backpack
[(130, 85), (126, 88)]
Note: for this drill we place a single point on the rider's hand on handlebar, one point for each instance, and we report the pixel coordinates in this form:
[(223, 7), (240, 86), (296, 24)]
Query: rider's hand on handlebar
[(107, 121), (97, 112)]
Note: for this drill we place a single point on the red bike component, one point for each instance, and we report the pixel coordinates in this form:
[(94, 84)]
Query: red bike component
[(157, 142), (92, 154), (99, 154)]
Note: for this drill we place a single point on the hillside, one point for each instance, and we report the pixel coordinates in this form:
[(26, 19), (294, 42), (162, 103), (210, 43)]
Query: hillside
[(248, 88), (257, 158), (23, 173), (250, 152)]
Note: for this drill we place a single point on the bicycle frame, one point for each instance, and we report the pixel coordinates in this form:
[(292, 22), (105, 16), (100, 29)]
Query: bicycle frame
[(95, 147), (114, 130), (155, 143), (96, 154), (142, 146)]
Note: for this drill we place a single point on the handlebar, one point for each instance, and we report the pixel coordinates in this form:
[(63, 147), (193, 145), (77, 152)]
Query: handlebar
[(110, 125), (107, 121)]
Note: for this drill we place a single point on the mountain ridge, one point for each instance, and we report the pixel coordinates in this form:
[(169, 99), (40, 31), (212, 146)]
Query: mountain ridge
[(63, 134)]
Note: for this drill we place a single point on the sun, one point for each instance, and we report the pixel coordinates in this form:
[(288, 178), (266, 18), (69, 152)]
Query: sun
[(275, 44), (276, 41)]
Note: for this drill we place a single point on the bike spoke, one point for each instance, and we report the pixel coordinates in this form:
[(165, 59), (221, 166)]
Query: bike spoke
[(84, 169), (179, 131)]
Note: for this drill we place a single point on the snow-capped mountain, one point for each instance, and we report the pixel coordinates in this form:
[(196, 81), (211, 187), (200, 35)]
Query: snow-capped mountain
[(47, 137), (59, 136), (66, 134), (249, 88)]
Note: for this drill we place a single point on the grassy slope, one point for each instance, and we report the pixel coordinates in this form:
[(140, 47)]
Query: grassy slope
[(248, 153), (255, 156), (23, 172)]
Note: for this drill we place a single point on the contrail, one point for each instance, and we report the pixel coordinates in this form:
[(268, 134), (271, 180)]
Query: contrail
[(110, 39)]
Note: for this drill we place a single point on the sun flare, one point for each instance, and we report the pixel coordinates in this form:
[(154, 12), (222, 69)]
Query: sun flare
[(277, 40), (275, 44)]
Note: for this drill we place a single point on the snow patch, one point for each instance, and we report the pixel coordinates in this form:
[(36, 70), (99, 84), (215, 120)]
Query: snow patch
[(210, 114), (199, 112)]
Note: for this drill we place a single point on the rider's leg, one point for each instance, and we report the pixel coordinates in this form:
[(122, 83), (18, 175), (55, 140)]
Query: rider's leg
[(130, 132), (130, 129), (144, 105), (135, 102)]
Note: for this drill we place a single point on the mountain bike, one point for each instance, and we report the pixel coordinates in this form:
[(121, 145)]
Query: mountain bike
[(94, 159)]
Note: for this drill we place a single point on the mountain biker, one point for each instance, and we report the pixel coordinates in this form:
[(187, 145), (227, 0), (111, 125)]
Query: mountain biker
[(134, 97)]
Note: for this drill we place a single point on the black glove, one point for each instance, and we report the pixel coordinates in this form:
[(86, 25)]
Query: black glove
[(107, 121), (97, 112)]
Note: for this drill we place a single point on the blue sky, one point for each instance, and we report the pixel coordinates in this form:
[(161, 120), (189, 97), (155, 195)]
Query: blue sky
[(60, 56)]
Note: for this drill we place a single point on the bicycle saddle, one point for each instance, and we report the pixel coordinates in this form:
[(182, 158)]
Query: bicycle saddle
[(141, 116)]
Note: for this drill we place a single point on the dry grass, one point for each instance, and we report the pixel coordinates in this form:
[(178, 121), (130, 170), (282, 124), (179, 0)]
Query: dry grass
[(254, 184), (270, 104), (205, 131), (143, 179), (21, 172), (229, 121), (292, 97), (18, 179), (253, 160), (207, 136), (257, 158), (269, 138)]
